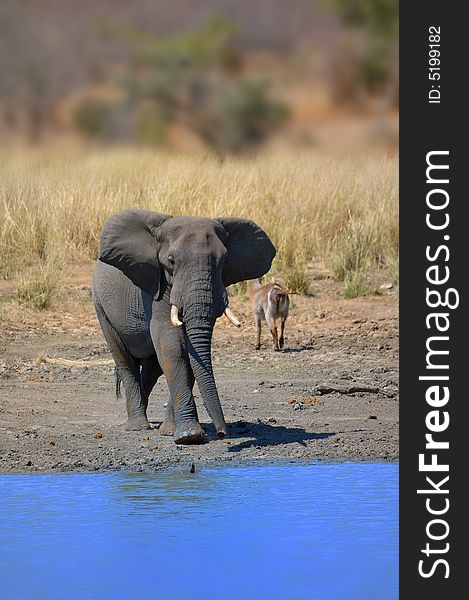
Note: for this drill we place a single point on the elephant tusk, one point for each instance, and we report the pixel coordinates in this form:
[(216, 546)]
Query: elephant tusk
[(232, 317), (174, 316)]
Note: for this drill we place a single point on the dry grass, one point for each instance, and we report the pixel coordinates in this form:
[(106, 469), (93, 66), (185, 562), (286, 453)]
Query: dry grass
[(341, 211), (37, 286), (66, 362)]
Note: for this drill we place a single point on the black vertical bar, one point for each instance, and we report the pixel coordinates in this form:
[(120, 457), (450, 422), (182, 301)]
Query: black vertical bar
[(425, 127)]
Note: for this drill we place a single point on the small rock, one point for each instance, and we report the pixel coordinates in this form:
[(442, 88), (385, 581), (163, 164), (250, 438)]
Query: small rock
[(192, 469), (29, 464), (51, 443), (271, 420), (98, 435), (386, 286), (255, 391), (372, 417), (146, 438)]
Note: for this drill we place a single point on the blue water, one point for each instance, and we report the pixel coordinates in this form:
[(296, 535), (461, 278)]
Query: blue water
[(292, 532)]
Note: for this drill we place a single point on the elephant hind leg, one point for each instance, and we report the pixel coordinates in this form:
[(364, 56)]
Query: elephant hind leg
[(151, 372), (118, 383), (127, 371)]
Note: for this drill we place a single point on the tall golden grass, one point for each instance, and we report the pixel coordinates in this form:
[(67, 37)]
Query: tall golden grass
[(340, 211)]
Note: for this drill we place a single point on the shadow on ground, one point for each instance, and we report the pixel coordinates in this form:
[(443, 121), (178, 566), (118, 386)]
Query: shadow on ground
[(264, 435), (296, 350)]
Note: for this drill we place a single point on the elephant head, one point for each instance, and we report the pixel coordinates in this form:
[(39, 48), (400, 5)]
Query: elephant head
[(196, 258)]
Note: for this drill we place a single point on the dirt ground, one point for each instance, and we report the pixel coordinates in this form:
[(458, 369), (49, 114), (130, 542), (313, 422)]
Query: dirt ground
[(331, 394)]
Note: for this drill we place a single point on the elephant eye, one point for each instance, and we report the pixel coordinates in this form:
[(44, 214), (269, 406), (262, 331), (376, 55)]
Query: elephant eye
[(171, 259)]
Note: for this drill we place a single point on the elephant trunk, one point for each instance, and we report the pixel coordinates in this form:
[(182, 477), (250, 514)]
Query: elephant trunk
[(199, 347), (197, 306)]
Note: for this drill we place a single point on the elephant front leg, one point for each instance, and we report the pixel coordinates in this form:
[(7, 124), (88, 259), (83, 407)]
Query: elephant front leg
[(181, 414), (188, 429)]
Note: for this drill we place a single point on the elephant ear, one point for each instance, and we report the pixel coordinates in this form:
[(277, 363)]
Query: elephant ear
[(128, 242), (250, 251)]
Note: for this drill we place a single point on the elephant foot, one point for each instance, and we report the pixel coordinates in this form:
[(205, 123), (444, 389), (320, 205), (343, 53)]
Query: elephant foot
[(191, 434), (258, 346), (137, 424), (167, 427)]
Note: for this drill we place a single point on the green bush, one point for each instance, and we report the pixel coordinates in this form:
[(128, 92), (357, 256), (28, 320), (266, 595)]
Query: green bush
[(244, 116)]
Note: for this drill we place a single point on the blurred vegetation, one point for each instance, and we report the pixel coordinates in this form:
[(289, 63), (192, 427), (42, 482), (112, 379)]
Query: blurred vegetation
[(157, 73), (193, 79), (91, 117), (377, 18), (375, 63)]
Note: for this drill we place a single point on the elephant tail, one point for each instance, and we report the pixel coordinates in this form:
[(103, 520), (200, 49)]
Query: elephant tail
[(118, 383)]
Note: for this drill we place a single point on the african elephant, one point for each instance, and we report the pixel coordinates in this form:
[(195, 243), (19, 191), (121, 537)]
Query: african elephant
[(159, 285)]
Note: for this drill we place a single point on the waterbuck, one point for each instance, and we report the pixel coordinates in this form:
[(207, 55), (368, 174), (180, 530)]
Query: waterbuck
[(269, 303)]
